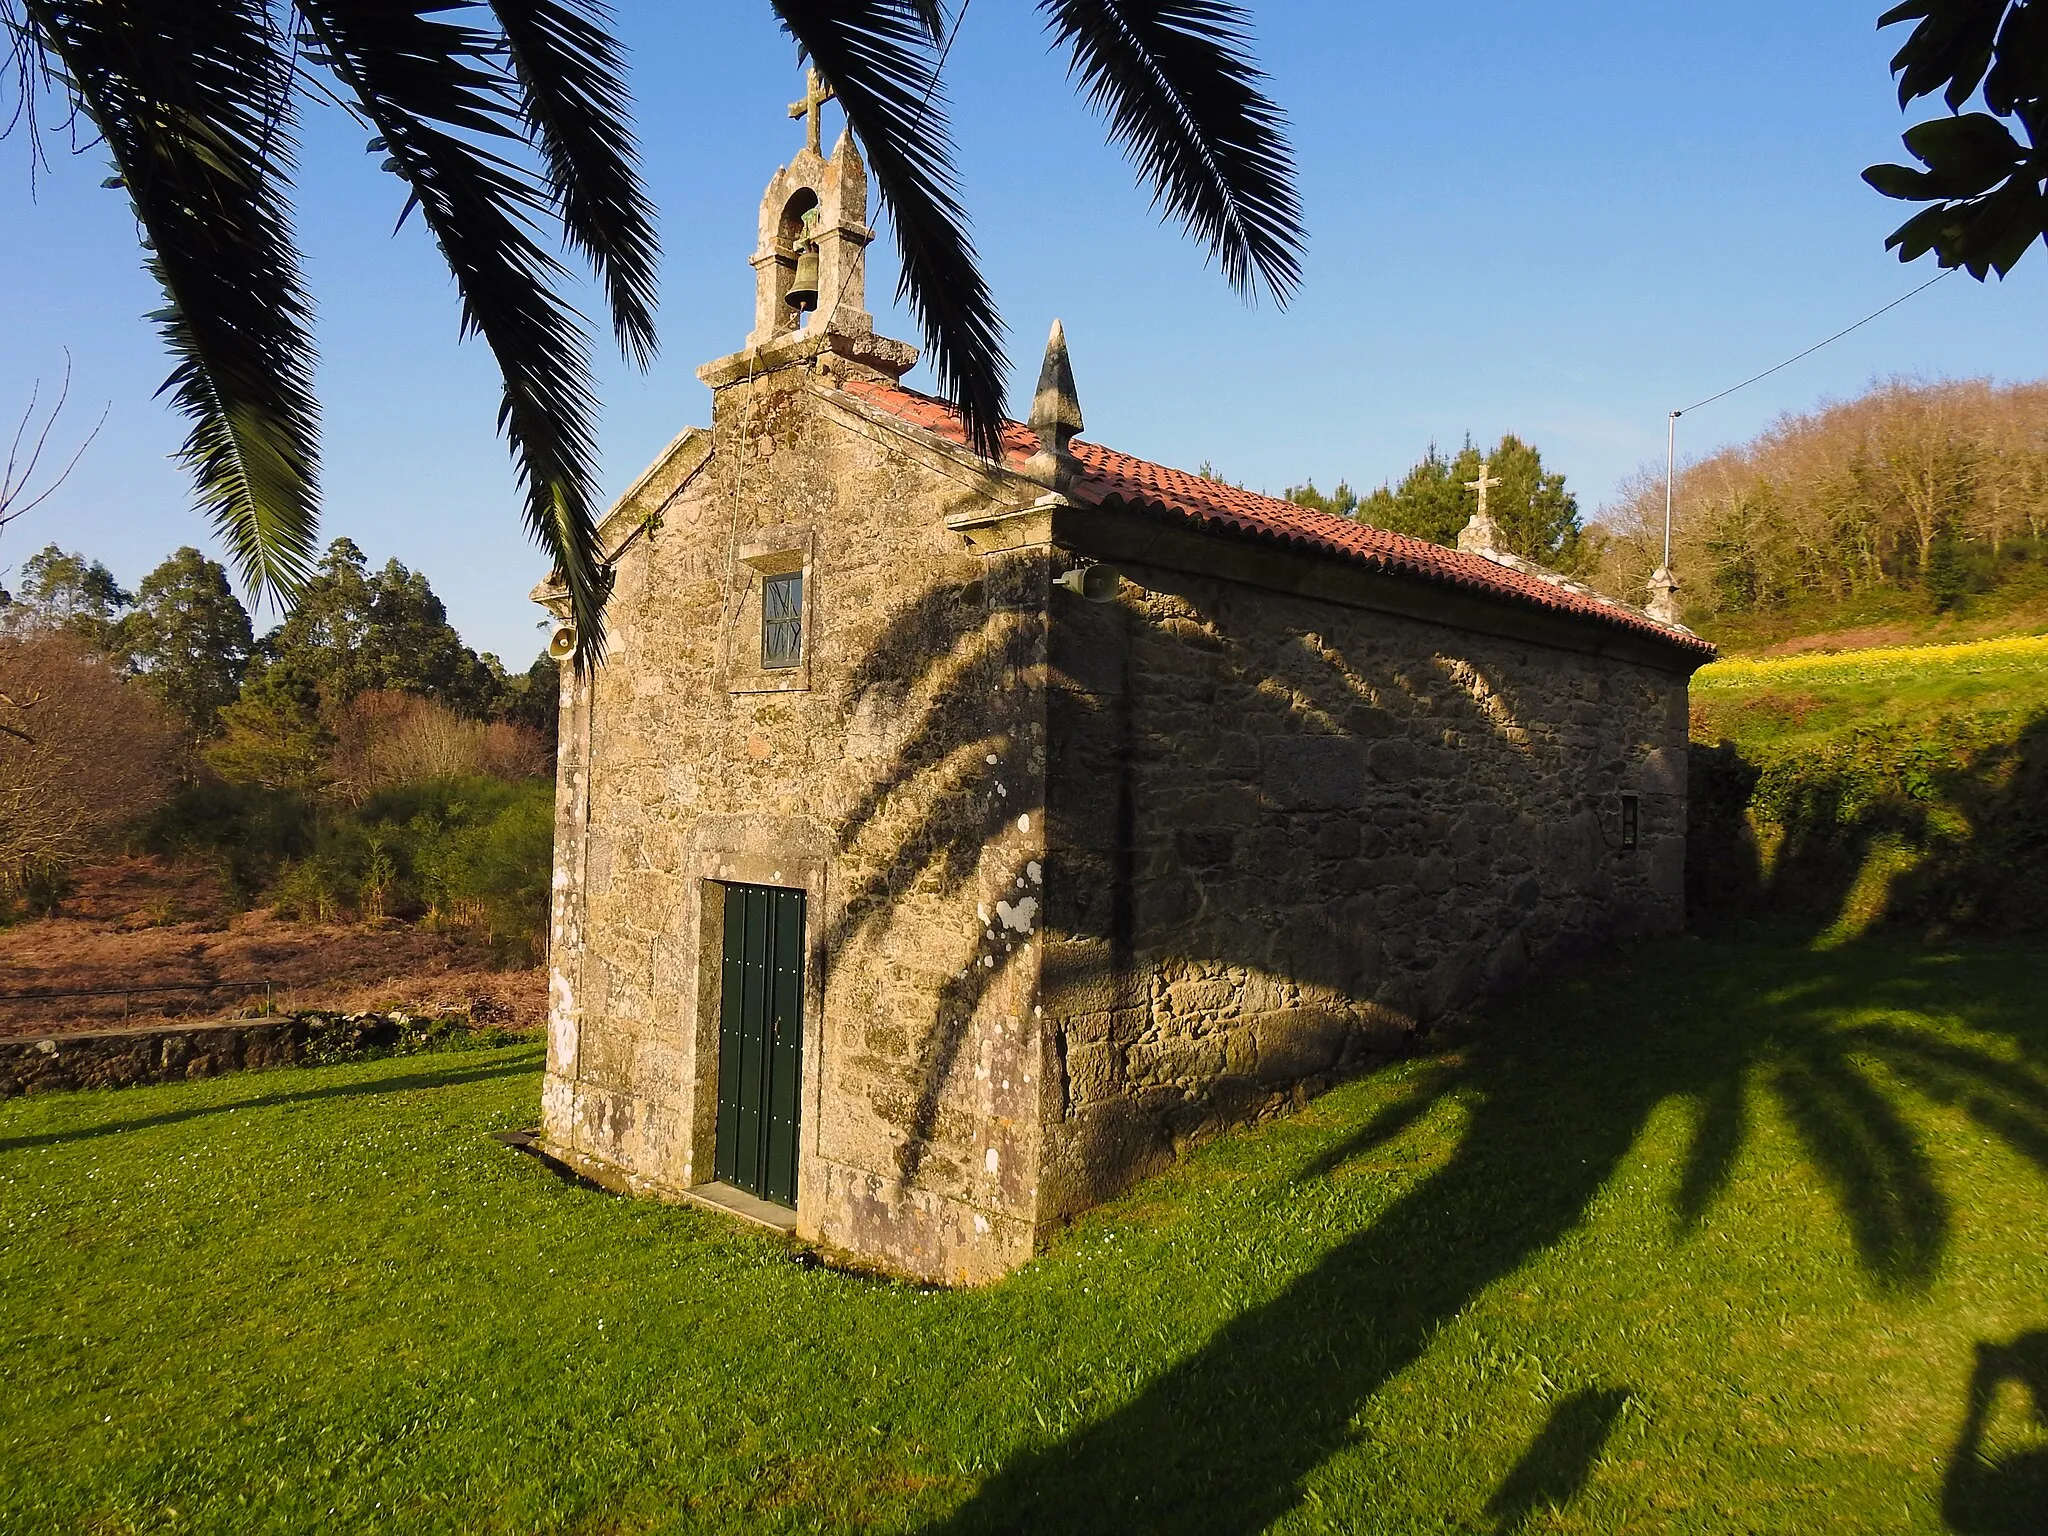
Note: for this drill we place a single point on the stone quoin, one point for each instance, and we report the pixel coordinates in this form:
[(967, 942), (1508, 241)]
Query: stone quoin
[(943, 844)]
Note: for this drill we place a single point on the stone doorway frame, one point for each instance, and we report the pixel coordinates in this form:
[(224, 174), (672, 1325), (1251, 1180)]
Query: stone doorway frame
[(788, 853)]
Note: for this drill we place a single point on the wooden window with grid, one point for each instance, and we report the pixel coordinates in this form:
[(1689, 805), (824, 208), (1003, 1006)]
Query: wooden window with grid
[(782, 622)]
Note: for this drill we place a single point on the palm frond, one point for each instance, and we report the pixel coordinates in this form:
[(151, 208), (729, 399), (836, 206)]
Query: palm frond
[(932, 14), (432, 88), (879, 56), (194, 103), (1177, 82), (572, 75)]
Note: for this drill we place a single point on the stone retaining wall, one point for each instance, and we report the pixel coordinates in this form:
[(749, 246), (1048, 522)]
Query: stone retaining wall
[(168, 1053)]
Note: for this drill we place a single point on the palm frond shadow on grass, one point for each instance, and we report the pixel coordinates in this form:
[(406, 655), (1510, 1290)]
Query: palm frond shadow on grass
[(453, 1076), (1555, 1468), (1222, 1440), (1854, 1134), (1872, 1162), (1719, 1131)]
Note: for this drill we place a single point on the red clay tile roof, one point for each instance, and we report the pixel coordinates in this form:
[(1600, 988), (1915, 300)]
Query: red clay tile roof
[(1110, 477)]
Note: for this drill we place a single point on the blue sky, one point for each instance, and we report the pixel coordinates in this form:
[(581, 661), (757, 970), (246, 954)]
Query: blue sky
[(1559, 221)]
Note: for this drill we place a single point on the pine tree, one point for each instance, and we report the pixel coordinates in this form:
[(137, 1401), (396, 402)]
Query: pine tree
[(1431, 501), (353, 631), (188, 639), (273, 734), (1342, 502), (1537, 517)]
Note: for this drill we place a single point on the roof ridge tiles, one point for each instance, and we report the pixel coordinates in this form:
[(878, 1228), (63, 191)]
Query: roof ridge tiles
[(1106, 474)]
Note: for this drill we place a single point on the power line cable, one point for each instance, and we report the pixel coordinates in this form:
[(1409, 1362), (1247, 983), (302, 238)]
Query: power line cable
[(1671, 422), (860, 257), (1895, 303)]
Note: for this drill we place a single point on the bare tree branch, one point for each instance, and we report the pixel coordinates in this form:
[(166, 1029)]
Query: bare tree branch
[(28, 701), (18, 493)]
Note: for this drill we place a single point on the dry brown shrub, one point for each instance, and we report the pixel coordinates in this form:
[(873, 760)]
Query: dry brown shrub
[(83, 754), (383, 738), (516, 752)]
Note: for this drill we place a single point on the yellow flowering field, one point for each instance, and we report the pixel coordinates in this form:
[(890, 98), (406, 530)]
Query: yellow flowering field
[(2013, 654)]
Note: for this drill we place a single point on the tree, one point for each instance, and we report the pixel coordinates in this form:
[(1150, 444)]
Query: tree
[(384, 739), (1986, 188), (188, 640), (1431, 501), (534, 699), (1342, 502), (1936, 489), (23, 487), (1537, 517), (1922, 462), (198, 106), (273, 735), (64, 593), (413, 648), (353, 631), (83, 755)]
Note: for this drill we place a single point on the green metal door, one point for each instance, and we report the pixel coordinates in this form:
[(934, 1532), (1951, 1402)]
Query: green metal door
[(760, 1041)]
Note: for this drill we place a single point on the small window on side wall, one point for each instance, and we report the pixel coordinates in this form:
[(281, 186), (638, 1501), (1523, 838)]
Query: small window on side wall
[(782, 622), (1631, 817)]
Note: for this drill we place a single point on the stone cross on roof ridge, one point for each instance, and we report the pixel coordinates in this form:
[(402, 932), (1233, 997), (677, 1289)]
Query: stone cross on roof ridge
[(1486, 482), (817, 91), (1480, 536)]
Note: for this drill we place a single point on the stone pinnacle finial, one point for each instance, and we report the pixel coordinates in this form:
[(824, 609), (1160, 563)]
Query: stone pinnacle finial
[(1663, 604), (1055, 413), (1056, 408)]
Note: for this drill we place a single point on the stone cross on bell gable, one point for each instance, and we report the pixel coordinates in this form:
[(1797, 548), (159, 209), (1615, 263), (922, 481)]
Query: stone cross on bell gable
[(1483, 484), (817, 91)]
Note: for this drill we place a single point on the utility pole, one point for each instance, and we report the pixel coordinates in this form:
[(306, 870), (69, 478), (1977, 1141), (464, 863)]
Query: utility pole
[(1670, 465)]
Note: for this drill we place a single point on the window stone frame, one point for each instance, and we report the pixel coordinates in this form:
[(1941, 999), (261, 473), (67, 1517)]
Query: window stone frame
[(783, 550)]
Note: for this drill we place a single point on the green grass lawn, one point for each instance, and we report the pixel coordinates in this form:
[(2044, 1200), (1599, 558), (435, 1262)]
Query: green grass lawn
[(1707, 1237)]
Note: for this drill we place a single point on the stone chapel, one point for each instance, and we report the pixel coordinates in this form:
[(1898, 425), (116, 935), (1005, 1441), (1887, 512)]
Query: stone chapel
[(943, 844)]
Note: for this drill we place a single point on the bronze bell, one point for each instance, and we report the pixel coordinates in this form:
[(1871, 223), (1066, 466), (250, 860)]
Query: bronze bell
[(803, 291)]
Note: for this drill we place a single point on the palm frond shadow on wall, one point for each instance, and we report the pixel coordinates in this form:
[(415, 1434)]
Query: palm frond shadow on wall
[(940, 763)]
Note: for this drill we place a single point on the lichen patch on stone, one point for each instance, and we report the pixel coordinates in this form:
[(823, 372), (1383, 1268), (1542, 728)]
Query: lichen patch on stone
[(1020, 917)]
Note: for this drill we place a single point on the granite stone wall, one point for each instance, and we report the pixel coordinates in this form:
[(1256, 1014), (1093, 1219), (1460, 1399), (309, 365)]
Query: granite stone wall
[(1085, 882), (896, 780), (1286, 833)]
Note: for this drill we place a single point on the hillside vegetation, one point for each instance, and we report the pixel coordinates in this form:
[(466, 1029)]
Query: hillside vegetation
[(1919, 510), (357, 769)]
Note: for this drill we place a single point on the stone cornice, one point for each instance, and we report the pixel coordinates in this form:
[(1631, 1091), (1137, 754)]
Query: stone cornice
[(868, 349)]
